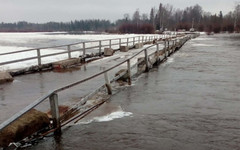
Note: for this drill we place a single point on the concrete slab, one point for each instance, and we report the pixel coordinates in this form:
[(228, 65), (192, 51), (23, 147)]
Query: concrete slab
[(5, 77)]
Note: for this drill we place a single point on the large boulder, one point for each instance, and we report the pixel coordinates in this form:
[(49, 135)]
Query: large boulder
[(5, 77), (108, 51), (23, 127), (63, 64), (124, 77), (138, 45), (124, 48)]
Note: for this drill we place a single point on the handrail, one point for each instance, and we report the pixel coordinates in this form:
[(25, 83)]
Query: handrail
[(51, 93), (66, 48), (64, 45)]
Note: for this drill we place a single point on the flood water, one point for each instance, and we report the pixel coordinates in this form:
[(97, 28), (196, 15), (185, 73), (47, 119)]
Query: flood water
[(192, 101)]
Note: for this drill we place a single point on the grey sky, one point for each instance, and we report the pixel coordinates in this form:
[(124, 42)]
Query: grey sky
[(66, 10)]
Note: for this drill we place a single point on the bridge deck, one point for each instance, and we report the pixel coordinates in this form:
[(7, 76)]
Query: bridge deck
[(27, 88)]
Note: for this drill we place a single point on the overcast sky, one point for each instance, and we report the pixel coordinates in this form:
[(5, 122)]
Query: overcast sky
[(67, 10)]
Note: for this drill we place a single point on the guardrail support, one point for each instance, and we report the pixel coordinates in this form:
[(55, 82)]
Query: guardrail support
[(158, 55), (134, 41), (107, 83), (69, 51), (165, 49), (110, 43), (120, 41), (168, 46), (39, 57), (127, 41), (55, 113), (146, 60), (129, 72), (100, 47)]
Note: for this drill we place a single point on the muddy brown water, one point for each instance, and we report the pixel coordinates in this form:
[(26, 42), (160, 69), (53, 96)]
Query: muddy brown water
[(192, 101)]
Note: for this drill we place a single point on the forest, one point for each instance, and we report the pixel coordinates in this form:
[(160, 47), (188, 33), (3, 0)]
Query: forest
[(162, 18)]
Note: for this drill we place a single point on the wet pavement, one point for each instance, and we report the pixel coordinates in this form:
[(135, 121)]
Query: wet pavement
[(190, 102)]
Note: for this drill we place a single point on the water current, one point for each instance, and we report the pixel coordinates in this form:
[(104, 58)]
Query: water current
[(191, 101)]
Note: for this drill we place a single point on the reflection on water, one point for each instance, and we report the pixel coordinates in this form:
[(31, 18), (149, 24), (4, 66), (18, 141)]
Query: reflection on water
[(191, 103)]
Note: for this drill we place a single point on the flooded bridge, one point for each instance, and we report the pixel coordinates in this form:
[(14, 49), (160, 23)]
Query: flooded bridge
[(190, 101)]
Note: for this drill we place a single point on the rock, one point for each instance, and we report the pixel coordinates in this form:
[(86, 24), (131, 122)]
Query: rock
[(23, 127), (138, 45), (124, 77), (124, 48), (62, 110), (5, 77), (66, 63), (108, 51)]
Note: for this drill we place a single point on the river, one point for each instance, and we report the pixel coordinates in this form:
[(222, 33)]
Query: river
[(192, 101)]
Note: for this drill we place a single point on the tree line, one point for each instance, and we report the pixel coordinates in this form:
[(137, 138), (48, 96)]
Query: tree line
[(168, 18), (77, 25), (164, 17)]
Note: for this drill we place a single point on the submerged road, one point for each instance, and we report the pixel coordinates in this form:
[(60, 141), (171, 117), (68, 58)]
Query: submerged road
[(26, 89), (190, 102)]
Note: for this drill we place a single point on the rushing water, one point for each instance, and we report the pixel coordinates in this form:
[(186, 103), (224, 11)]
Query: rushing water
[(192, 101)]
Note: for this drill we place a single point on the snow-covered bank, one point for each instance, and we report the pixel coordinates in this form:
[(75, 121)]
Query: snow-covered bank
[(11, 42)]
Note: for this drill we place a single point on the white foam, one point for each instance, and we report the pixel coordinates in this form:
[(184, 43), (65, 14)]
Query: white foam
[(170, 60), (206, 45), (108, 117)]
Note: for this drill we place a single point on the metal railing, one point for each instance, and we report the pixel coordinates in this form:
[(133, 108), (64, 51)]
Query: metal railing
[(53, 95), (81, 47)]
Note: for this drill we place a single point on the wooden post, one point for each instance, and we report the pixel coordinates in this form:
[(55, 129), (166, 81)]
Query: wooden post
[(84, 49), (158, 55), (146, 60), (107, 83), (39, 57), (168, 48), (55, 113), (100, 47), (129, 72), (120, 41), (165, 49), (110, 43), (84, 52), (69, 51)]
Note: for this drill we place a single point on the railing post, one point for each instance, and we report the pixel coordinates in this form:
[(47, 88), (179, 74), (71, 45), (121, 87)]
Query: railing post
[(110, 43), (129, 72), (165, 48), (133, 41), (120, 41), (100, 47), (158, 55), (84, 52), (84, 49), (146, 60), (107, 83), (139, 39), (69, 51), (168, 47), (142, 39), (55, 113), (127, 41), (39, 57)]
